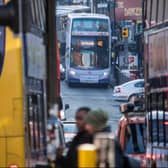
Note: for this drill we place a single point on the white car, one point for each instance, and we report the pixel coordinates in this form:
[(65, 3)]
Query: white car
[(129, 90)]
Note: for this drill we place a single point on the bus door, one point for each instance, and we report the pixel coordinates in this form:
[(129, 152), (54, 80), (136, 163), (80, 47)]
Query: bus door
[(36, 130)]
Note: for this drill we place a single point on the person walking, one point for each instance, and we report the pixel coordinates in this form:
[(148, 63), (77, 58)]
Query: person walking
[(96, 121), (70, 160)]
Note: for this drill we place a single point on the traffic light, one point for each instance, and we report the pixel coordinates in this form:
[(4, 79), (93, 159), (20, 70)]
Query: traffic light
[(125, 32)]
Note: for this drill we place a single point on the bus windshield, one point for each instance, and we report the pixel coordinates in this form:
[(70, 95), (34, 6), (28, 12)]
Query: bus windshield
[(90, 24), (89, 52)]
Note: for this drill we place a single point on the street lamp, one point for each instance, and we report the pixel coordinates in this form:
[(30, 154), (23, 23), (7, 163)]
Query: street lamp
[(111, 11)]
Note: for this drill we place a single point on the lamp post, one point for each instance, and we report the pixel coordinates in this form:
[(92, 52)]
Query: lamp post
[(111, 11)]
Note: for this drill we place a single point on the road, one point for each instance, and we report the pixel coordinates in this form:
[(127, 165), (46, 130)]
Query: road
[(94, 98)]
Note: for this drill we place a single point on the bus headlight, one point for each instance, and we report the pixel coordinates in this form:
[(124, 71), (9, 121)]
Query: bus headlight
[(71, 72), (105, 74)]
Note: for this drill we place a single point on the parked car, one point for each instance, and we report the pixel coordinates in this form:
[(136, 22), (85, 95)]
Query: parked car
[(131, 132), (70, 130), (128, 90)]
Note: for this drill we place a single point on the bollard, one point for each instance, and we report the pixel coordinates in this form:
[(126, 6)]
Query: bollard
[(87, 156)]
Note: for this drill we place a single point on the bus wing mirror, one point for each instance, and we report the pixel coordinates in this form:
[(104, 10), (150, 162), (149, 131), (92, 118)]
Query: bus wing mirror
[(9, 15)]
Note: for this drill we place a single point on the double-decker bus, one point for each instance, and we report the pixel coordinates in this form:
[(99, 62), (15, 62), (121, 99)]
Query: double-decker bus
[(156, 77), (88, 49), (28, 88), (62, 12)]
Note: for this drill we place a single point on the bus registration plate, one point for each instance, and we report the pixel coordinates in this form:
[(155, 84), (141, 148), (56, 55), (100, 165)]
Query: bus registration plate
[(89, 79)]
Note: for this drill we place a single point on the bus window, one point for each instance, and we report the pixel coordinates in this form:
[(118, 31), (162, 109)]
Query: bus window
[(149, 130), (154, 131), (2, 47), (166, 130), (90, 25), (161, 121), (161, 131)]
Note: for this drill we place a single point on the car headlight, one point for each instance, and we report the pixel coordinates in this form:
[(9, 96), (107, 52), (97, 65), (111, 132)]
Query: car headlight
[(71, 72)]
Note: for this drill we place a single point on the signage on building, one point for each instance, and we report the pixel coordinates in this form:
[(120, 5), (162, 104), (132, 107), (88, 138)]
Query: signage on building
[(128, 9), (132, 11)]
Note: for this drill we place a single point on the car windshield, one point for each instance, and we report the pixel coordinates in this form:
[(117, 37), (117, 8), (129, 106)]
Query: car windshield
[(135, 139)]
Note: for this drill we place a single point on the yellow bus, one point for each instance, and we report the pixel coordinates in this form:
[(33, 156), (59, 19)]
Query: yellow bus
[(27, 80)]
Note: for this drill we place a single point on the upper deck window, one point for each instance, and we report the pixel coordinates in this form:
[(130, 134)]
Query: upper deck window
[(90, 24)]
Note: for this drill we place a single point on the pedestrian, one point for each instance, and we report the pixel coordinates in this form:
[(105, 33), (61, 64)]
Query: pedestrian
[(70, 160), (96, 121)]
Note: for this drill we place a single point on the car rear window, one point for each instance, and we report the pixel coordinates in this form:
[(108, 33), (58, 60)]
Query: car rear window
[(135, 139), (139, 84)]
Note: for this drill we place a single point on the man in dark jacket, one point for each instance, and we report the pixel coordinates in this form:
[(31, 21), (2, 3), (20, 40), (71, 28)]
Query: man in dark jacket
[(70, 160)]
